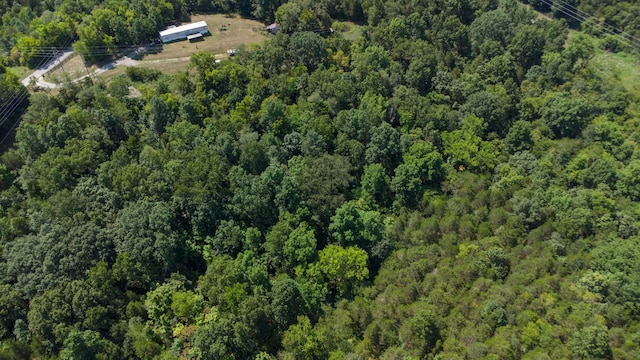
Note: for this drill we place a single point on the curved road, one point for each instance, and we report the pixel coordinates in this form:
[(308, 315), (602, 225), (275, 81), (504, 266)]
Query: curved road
[(37, 75)]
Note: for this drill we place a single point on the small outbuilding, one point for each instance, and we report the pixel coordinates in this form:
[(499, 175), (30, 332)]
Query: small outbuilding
[(182, 32), (273, 28)]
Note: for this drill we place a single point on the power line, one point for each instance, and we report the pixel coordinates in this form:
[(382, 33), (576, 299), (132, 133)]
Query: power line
[(596, 20), (591, 22), (17, 99), (47, 50), (15, 124)]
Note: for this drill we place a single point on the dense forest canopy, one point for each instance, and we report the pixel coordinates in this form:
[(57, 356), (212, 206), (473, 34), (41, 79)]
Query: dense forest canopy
[(460, 182)]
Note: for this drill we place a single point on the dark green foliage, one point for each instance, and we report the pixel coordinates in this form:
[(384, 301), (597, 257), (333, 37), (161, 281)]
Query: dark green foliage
[(566, 115), (420, 333), (384, 147), (489, 107), (144, 232), (307, 48), (459, 181), (519, 137), (493, 25), (141, 74), (527, 46), (87, 345), (287, 302)]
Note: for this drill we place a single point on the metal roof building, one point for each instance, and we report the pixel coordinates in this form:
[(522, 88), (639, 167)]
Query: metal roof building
[(181, 32), (273, 28)]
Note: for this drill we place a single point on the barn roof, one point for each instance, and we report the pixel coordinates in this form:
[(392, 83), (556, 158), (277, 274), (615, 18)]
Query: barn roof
[(185, 27)]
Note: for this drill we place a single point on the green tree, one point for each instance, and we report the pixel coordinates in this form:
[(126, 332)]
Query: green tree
[(307, 48), (50, 317), (591, 343), (287, 301), (343, 268), (465, 148), (159, 116), (88, 345), (300, 247), (527, 46), (363, 228), (420, 333), (628, 183), (301, 341), (384, 147), (422, 167), (566, 115), (143, 230), (519, 137), (493, 108), (12, 308), (375, 185), (491, 25)]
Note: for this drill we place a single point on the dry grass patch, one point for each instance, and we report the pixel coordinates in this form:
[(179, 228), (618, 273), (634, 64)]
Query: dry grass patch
[(73, 67), (108, 75), (238, 31), (169, 67)]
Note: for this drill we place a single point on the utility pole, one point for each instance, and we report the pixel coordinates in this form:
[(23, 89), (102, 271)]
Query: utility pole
[(59, 55)]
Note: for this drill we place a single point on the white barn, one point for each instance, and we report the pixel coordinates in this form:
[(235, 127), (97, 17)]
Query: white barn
[(181, 32)]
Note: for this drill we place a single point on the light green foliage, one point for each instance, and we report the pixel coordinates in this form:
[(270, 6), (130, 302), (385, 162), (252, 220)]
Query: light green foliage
[(465, 148), (301, 342), (629, 181), (616, 264), (353, 226), (343, 268)]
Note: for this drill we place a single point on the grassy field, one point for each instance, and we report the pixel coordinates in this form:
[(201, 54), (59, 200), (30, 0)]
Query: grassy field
[(350, 30), (621, 67), (171, 66), (239, 31)]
